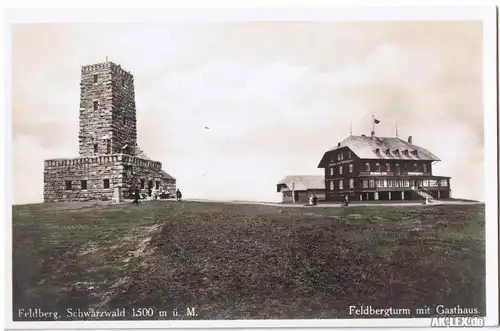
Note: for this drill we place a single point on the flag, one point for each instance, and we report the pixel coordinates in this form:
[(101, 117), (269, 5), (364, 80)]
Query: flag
[(376, 121)]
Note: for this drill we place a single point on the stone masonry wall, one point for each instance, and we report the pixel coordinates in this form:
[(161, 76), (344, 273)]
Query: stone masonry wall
[(124, 112), (121, 170), (93, 170), (137, 169), (111, 89)]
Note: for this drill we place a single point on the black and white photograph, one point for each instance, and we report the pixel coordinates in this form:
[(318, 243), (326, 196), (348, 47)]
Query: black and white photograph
[(203, 168)]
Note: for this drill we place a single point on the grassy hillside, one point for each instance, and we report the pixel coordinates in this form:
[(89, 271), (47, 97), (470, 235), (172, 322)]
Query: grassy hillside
[(247, 261)]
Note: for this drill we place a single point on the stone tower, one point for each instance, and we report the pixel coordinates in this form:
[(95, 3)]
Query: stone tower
[(109, 163), (107, 111)]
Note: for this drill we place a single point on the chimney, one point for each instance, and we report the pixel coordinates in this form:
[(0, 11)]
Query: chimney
[(410, 139)]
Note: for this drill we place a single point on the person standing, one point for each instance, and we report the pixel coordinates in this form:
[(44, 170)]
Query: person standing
[(178, 195), (136, 195)]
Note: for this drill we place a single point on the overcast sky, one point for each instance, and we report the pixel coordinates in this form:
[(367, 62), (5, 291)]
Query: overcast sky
[(275, 96)]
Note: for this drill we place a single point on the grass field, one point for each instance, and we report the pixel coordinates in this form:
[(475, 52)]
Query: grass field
[(247, 261)]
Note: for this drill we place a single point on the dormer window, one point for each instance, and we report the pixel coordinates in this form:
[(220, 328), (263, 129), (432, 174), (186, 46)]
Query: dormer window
[(387, 151), (405, 152), (415, 152), (396, 152), (377, 151)]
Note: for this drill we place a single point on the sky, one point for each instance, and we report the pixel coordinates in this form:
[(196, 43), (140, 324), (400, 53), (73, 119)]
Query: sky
[(274, 95)]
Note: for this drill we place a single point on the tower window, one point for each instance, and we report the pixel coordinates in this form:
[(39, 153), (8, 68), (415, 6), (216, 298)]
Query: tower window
[(67, 185), (123, 82), (95, 148), (108, 146), (106, 183), (96, 105), (83, 184), (96, 78)]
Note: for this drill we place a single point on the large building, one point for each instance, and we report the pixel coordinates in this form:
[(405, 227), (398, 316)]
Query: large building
[(110, 163), (299, 188), (381, 168)]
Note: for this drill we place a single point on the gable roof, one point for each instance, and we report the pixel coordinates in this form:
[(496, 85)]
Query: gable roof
[(166, 175), (303, 183), (366, 148)]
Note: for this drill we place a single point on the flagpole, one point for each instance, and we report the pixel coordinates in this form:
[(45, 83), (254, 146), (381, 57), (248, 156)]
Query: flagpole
[(350, 127), (397, 131), (373, 124)]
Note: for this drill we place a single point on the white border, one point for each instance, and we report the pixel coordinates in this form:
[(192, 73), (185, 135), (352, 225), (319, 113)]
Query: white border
[(485, 14)]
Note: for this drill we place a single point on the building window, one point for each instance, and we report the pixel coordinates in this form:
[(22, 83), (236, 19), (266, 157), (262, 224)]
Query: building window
[(157, 185), (406, 166), (341, 185), (338, 156), (405, 152), (124, 121), (96, 78), (367, 166), (143, 182), (372, 183), (331, 185), (341, 169), (365, 183), (415, 166), (444, 182), (67, 185), (108, 147), (396, 152), (426, 182), (351, 183), (349, 154), (382, 183), (95, 148), (331, 171), (433, 183), (397, 167), (425, 167), (388, 151), (377, 151), (106, 183), (351, 168), (83, 183), (123, 82), (406, 183), (377, 167), (96, 105), (387, 167)]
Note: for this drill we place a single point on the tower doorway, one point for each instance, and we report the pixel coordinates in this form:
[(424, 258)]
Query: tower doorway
[(150, 187)]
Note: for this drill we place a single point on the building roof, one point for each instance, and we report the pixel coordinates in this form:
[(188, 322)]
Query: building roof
[(166, 175), (376, 148), (303, 183)]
